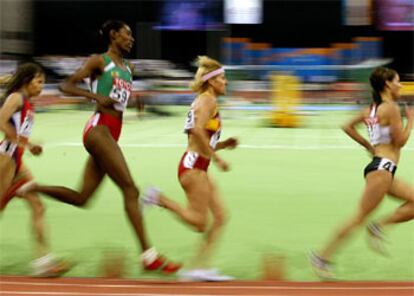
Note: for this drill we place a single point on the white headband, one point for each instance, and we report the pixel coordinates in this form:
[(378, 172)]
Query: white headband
[(207, 76)]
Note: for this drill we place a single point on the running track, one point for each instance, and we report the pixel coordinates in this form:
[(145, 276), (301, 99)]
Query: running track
[(12, 286)]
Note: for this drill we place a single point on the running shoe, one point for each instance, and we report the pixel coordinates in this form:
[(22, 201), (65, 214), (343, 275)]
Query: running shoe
[(153, 261), (150, 198), (322, 267), (50, 267), (376, 239), (203, 275)]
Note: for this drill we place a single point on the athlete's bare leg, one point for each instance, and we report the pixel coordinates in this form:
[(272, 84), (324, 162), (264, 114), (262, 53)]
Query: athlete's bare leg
[(7, 169), (111, 161), (196, 186), (377, 185), (37, 209), (92, 178), (401, 190), (214, 231), (202, 197), (38, 225)]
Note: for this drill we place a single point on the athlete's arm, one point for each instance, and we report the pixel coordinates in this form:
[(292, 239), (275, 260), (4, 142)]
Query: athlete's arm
[(350, 129), (202, 112), (229, 143), (399, 134), (13, 103), (132, 68), (93, 64)]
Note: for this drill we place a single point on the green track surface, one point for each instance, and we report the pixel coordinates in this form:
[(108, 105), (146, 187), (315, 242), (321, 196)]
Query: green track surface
[(288, 190)]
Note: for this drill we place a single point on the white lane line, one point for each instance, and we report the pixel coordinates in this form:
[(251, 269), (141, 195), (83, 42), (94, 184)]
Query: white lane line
[(294, 147), (79, 144), (194, 286)]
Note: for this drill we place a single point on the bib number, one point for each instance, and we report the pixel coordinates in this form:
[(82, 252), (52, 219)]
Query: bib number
[(387, 165), (214, 139), (190, 159), (120, 95), (26, 128), (190, 121), (373, 132)]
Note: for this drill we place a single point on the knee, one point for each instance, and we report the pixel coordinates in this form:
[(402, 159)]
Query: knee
[(131, 194), (200, 226), (130, 189), (220, 219), (200, 223), (410, 209), (82, 201), (38, 209)]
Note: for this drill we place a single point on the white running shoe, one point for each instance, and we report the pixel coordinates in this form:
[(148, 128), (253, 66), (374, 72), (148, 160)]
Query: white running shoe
[(322, 268), (150, 198), (49, 266), (376, 239), (203, 275)]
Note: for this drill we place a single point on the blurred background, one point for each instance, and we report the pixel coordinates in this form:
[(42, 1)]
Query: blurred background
[(329, 46), (301, 66)]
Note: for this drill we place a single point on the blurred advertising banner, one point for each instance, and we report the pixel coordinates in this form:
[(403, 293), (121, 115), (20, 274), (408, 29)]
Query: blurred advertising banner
[(357, 12), (395, 15), (16, 26), (243, 12)]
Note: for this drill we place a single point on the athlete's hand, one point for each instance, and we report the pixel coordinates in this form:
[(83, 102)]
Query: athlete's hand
[(231, 143), (371, 151), (35, 149), (222, 165), (409, 112), (105, 101)]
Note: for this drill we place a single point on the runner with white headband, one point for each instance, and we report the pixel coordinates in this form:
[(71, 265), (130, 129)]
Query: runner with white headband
[(203, 126), (212, 74)]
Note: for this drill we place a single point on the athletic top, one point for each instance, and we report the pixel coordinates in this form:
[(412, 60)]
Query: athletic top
[(377, 134), (114, 82), (213, 126), (22, 121)]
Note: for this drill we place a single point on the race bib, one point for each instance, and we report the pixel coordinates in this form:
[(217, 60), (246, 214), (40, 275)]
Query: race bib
[(387, 165), (190, 159), (120, 92), (214, 139), (374, 133), (190, 120), (373, 129), (7, 147), (27, 125)]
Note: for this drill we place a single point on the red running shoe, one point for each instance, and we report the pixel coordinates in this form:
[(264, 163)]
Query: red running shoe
[(152, 261)]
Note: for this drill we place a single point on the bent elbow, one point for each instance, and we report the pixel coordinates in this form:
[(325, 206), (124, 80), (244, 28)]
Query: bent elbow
[(64, 86), (399, 139), (400, 143)]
